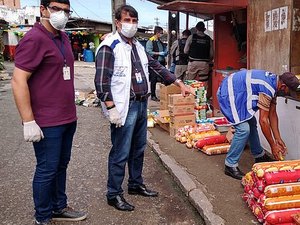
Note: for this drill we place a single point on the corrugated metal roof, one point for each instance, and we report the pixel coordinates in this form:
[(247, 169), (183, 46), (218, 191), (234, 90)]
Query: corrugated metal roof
[(196, 7)]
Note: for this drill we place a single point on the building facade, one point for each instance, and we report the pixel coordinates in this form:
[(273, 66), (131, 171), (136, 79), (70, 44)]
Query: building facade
[(15, 4)]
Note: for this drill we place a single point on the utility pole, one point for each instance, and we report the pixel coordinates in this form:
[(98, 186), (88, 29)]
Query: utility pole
[(156, 21), (115, 4)]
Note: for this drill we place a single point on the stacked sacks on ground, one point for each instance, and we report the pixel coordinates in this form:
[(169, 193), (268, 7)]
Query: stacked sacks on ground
[(272, 191), (203, 136)]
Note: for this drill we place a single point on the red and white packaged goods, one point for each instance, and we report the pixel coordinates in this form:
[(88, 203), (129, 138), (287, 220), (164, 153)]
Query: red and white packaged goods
[(272, 191), (188, 121)]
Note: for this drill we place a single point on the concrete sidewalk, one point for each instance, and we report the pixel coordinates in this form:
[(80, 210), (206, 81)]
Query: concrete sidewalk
[(216, 196)]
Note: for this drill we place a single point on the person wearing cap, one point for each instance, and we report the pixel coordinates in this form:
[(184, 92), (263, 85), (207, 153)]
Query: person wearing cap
[(240, 96)]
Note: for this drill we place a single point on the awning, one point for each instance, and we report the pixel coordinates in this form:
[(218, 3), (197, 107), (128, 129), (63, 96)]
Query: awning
[(199, 7)]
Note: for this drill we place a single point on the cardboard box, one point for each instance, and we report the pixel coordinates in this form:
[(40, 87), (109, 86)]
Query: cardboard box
[(178, 99), (162, 119), (162, 115), (180, 121), (164, 91), (176, 110), (173, 131), (163, 105), (174, 128), (164, 126)]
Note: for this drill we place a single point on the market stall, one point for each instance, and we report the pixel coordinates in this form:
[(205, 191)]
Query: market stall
[(256, 34), (230, 34), (276, 23)]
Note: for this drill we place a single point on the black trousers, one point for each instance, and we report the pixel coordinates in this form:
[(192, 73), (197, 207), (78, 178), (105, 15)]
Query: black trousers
[(154, 78)]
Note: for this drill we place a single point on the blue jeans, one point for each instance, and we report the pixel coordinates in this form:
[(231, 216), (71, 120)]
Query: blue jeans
[(128, 146), (244, 132), (53, 154), (172, 67)]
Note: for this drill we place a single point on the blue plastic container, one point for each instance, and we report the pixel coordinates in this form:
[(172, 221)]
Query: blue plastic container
[(88, 55)]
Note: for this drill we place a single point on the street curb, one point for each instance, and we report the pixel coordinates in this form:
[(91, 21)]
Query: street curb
[(195, 195)]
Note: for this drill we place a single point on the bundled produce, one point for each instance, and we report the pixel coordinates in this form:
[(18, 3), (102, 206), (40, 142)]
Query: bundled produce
[(200, 92), (272, 191), (277, 190), (281, 216), (211, 140), (221, 121), (194, 132), (216, 149)]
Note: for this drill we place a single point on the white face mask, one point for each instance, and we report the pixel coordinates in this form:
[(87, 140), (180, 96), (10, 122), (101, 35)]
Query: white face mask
[(129, 29), (58, 20)]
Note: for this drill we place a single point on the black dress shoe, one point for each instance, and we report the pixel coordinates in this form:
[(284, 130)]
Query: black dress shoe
[(234, 172), (264, 158), (120, 203), (142, 190), (154, 98)]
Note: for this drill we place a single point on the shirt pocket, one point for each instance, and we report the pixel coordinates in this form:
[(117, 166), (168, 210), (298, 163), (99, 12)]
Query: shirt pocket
[(120, 70)]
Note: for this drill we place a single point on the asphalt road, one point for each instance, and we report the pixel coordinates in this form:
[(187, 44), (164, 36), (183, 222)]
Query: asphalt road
[(87, 172)]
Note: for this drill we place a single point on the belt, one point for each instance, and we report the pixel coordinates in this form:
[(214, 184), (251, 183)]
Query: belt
[(140, 98), (200, 60)]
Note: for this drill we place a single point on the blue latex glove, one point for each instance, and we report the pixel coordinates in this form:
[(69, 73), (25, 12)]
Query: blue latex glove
[(161, 54)]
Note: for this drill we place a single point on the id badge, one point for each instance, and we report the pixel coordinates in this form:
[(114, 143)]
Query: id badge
[(138, 77), (67, 73)]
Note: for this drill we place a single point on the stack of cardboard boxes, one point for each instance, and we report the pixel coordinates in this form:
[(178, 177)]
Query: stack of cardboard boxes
[(163, 118), (181, 111), (164, 93), (175, 110)]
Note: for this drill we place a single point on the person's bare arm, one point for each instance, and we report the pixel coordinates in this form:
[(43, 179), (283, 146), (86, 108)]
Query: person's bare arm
[(21, 94), (273, 118), (267, 131)]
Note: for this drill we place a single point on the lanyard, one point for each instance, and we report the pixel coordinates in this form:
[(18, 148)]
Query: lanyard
[(61, 49)]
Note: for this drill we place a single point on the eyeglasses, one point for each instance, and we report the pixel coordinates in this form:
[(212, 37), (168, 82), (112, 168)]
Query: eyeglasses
[(57, 9)]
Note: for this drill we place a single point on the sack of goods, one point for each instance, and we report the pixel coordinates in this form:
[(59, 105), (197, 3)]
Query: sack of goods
[(272, 191)]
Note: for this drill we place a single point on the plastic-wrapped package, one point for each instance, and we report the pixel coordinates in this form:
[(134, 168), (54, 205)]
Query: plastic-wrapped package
[(211, 140), (216, 149), (261, 168), (277, 190), (282, 177), (281, 216), (282, 202)]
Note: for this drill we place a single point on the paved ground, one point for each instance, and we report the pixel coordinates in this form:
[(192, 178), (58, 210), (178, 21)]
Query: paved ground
[(87, 171), (216, 196)]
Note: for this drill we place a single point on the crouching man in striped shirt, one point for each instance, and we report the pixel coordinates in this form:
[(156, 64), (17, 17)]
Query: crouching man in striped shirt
[(240, 96)]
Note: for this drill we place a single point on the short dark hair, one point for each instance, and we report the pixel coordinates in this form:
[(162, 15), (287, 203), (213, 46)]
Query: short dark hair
[(157, 29), (200, 26), (47, 2), (126, 8), (186, 33)]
